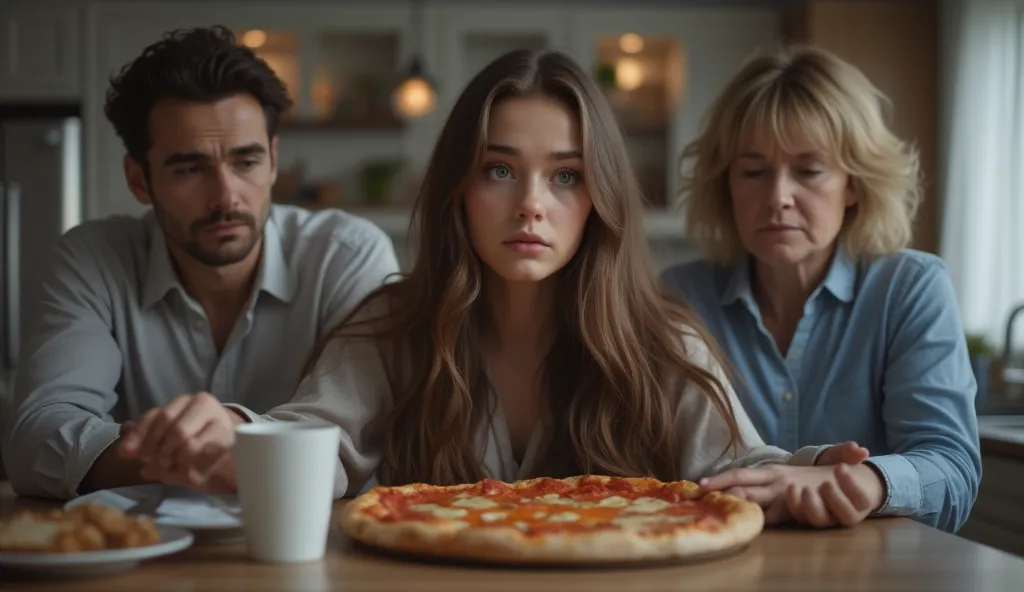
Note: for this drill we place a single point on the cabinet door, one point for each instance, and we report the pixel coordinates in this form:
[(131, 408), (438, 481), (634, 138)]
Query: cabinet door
[(39, 53), (470, 38), (660, 70)]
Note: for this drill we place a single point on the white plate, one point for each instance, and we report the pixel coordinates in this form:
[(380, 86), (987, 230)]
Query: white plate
[(96, 563), (212, 519)]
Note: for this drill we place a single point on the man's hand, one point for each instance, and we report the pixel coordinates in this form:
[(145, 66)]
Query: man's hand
[(182, 434), (210, 475)]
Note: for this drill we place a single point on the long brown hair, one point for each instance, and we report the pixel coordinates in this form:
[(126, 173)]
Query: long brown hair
[(613, 376)]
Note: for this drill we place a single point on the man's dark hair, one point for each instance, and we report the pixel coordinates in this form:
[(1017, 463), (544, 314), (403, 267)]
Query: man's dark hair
[(202, 64)]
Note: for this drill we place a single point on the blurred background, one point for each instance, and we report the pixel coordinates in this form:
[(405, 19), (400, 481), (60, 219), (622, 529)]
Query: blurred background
[(374, 81)]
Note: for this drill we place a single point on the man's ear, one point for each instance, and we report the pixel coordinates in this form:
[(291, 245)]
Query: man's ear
[(273, 159), (135, 176)]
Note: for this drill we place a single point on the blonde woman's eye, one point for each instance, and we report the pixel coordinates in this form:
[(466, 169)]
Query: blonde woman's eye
[(567, 177), (809, 173), (499, 172)]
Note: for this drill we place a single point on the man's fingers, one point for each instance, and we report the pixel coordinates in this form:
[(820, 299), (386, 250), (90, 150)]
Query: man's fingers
[(161, 421), (192, 421)]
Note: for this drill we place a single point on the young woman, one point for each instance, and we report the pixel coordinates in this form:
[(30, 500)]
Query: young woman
[(803, 200), (531, 336)]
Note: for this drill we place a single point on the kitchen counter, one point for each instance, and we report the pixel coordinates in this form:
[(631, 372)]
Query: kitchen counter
[(878, 555), (1002, 435)]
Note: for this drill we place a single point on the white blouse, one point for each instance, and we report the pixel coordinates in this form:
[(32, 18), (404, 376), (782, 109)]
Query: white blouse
[(348, 387)]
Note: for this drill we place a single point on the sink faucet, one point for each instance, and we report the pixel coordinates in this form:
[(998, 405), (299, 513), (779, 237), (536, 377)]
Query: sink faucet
[(1011, 374)]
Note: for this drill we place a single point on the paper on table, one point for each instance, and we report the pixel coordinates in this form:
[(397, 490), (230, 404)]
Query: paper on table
[(181, 507)]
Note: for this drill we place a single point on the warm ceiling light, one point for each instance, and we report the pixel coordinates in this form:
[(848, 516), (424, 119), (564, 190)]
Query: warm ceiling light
[(254, 39), (415, 96), (629, 74), (631, 43)]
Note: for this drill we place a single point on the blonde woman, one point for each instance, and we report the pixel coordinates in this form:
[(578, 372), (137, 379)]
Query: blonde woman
[(802, 200)]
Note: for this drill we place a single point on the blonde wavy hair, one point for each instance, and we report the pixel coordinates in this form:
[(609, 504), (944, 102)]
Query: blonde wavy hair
[(793, 92)]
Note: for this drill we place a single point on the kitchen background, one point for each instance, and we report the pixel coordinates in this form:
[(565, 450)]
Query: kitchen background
[(373, 82)]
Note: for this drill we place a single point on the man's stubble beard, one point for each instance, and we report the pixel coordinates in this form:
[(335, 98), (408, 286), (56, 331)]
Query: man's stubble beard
[(186, 241)]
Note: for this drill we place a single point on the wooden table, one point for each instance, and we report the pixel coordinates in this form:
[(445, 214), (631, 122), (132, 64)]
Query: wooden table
[(881, 554)]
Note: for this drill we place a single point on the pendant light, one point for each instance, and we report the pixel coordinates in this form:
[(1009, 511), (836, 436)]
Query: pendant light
[(415, 95)]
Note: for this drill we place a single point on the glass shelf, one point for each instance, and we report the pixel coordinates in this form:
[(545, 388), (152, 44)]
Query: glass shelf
[(642, 78)]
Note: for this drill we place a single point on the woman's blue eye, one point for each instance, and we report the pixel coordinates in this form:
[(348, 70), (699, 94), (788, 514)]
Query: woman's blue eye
[(567, 177), (499, 172)]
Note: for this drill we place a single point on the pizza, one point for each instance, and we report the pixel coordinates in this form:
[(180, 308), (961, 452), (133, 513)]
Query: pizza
[(584, 519)]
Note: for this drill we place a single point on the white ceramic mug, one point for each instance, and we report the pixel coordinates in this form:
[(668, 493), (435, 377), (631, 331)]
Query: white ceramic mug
[(286, 488)]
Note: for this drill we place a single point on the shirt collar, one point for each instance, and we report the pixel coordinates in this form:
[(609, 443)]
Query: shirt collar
[(841, 276), (160, 275), (737, 286), (274, 277), (839, 280)]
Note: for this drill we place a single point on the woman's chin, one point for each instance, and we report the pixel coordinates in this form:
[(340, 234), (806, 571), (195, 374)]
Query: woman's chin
[(780, 255), (525, 272)]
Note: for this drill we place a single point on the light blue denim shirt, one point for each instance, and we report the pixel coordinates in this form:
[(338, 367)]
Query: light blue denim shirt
[(879, 357)]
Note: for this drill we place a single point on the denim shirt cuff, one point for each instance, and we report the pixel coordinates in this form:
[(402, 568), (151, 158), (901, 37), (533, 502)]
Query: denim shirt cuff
[(903, 492)]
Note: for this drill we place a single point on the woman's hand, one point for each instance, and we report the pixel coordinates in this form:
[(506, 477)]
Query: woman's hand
[(820, 496)]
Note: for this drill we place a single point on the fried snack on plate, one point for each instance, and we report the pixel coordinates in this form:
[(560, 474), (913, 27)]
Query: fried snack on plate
[(86, 528)]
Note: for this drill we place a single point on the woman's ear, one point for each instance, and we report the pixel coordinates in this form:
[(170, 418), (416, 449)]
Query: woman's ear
[(852, 193)]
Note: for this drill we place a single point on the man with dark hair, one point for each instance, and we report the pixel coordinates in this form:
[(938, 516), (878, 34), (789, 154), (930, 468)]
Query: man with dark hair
[(213, 292)]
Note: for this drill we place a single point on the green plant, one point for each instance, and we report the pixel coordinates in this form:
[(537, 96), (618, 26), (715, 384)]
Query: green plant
[(376, 178), (979, 345), (606, 76)]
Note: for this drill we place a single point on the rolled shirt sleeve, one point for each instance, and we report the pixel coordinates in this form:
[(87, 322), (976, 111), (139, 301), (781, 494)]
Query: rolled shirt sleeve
[(64, 388)]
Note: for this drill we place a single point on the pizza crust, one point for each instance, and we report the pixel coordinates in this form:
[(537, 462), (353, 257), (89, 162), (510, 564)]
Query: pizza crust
[(743, 522)]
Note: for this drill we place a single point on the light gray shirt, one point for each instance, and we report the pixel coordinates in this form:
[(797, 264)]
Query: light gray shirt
[(116, 334), (349, 387)]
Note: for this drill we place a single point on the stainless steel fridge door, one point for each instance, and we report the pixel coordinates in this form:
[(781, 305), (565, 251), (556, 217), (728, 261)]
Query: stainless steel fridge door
[(42, 159), (10, 260)]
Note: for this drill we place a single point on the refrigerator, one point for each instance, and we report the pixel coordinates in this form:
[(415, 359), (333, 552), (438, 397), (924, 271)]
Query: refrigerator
[(40, 199)]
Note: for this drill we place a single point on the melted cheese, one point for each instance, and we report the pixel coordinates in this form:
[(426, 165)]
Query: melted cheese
[(476, 503), (493, 516), (647, 505), (564, 517), (439, 512), (613, 502), (539, 515), (522, 525), (640, 521), (557, 500)]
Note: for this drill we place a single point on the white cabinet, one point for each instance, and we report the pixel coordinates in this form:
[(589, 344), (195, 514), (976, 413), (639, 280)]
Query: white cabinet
[(40, 58), (660, 70)]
